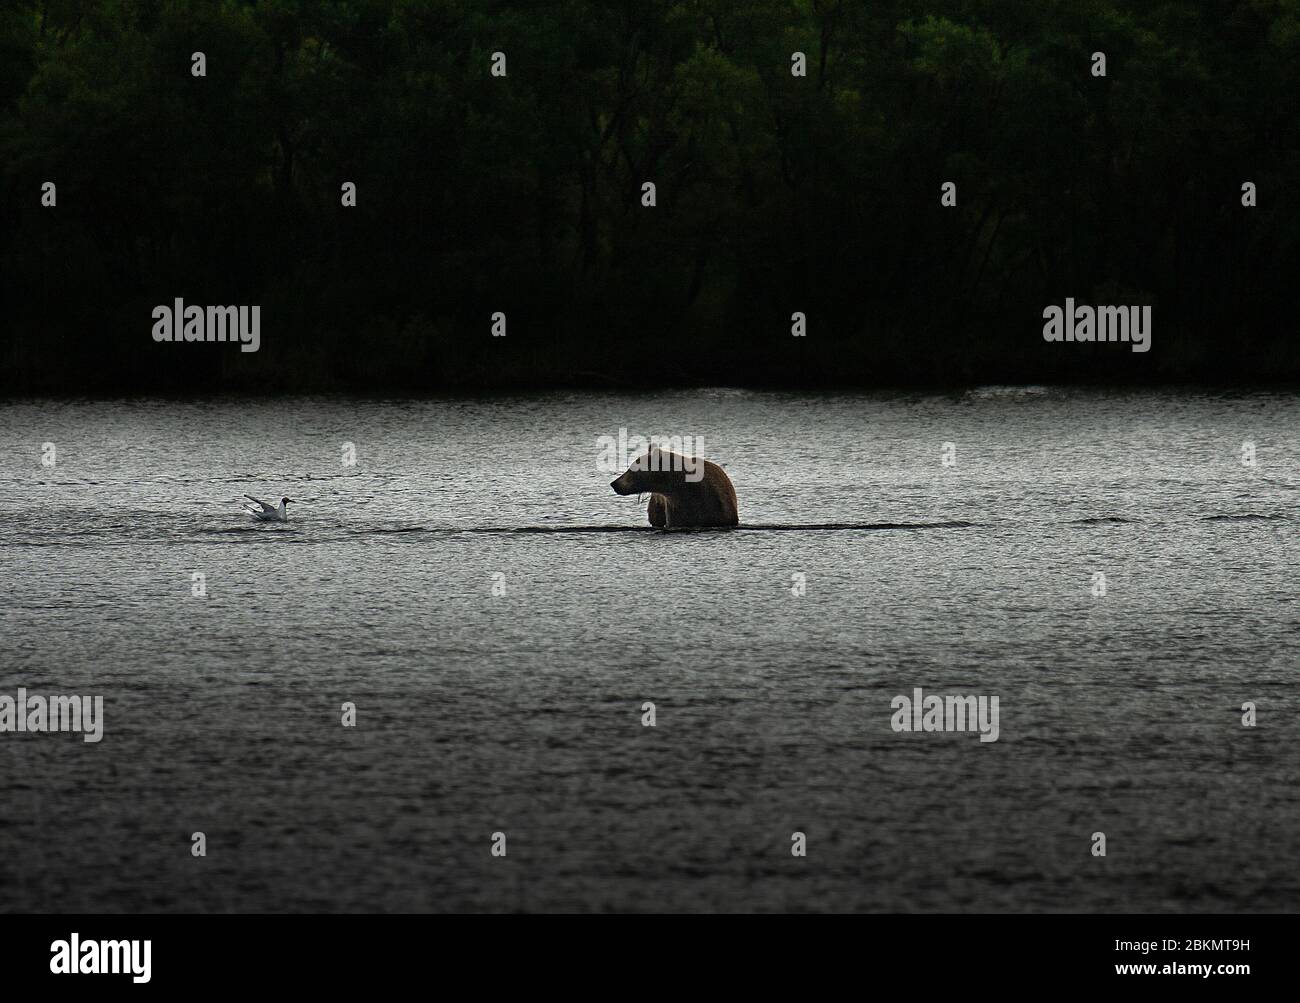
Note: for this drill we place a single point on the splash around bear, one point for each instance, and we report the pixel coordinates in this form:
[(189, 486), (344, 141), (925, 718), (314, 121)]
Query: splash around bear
[(685, 491)]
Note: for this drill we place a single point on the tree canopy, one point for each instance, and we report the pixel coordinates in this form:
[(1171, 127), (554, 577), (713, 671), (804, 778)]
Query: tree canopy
[(522, 193)]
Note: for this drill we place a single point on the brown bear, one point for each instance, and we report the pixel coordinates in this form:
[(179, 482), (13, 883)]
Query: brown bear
[(657, 510), (686, 491)]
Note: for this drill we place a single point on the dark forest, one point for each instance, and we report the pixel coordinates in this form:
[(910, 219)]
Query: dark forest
[(522, 194)]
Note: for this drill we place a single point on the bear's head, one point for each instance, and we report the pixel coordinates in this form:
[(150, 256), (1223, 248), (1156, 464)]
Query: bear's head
[(657, 471)]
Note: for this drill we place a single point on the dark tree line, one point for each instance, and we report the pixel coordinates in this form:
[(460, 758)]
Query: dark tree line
[(522, 194)]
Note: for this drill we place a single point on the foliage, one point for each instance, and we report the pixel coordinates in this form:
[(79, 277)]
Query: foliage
[(523, 194)]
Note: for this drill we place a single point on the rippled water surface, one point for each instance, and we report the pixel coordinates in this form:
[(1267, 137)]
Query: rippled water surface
[(522, 713)]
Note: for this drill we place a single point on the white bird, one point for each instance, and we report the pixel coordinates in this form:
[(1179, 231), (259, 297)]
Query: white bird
[(269, 513)]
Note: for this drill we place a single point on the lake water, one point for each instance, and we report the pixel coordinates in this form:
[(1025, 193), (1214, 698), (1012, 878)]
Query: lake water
[(522, 713)]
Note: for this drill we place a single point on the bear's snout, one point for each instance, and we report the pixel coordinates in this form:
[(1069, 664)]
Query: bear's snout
[(617, 485)]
